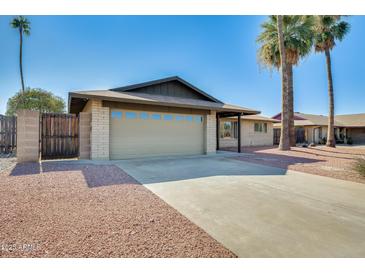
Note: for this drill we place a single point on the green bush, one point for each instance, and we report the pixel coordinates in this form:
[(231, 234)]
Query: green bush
[(35, 99), (360, 166)]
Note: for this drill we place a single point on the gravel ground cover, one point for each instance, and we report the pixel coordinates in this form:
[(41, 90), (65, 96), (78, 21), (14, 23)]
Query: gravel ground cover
[(63, 210), (6, 161), (337, 162)]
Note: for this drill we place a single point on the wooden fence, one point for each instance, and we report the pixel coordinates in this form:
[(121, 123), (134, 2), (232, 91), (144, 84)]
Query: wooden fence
[(7, 134), (59, 135)]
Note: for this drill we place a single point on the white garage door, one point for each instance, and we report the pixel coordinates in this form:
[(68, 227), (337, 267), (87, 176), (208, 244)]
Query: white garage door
[(141, 134)]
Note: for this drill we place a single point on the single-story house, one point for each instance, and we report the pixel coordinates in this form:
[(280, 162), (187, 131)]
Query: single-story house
[(256, 130), (311, 128), (163, 117)]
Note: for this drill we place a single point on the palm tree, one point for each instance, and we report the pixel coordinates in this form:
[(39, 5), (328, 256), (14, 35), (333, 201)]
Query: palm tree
[(284, 137), (327, 30), (23, 25), (297, 32)]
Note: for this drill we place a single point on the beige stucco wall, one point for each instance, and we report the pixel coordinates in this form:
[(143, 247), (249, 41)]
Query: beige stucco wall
[(251, 138), (357, 135), (27, 136), (228, 142), (248, 135)]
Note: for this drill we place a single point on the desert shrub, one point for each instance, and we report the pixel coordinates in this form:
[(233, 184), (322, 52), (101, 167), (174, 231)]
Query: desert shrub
[(360, 166)]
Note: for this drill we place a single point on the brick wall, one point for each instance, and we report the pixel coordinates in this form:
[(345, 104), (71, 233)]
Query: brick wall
[(27, 136), (84, 135), (210, 133), (99, 131)]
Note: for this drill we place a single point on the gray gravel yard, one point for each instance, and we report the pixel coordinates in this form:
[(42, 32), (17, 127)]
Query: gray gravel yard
[(6, 161), (63, 210)]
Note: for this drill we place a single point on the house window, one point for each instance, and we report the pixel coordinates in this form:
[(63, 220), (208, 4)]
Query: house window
[(130, 115), (116, 115), (260, 127), (229, 129)]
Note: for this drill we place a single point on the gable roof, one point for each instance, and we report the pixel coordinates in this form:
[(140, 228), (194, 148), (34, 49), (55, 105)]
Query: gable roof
[(351, 120), (311, 119), (131, 88), (254, 117), (141, 98), (348, 120), (141, 94)]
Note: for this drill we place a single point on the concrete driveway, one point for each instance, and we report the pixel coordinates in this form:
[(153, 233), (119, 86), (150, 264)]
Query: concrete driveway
[(260, 211)]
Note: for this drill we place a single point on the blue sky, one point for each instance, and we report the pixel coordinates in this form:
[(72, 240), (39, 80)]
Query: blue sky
[(216, 53)]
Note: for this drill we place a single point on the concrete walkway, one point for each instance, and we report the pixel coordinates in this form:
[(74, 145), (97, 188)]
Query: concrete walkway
[(260, 211)]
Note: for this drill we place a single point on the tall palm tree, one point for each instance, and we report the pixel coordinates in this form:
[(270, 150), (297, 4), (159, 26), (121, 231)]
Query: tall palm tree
[(284, 137), (327, 30), (23, 25), (297, 33)]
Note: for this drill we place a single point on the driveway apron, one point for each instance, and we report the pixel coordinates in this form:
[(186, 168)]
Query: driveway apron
[(260, 211)]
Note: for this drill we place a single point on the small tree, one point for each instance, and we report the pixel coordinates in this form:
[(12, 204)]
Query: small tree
[(35, 99)]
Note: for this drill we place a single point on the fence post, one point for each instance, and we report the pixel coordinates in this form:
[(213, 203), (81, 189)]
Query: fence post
[(27, 136)]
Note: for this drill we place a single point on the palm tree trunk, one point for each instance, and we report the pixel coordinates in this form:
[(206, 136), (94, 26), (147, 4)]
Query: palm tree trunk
[(284, 136), (21, 57), (291, 105), (331, 111)]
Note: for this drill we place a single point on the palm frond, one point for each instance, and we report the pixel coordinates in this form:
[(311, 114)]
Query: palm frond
[(298, 39), (328, 29), (21, 23)]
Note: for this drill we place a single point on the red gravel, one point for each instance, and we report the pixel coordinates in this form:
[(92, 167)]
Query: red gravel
[(63, 210), (321, 160)]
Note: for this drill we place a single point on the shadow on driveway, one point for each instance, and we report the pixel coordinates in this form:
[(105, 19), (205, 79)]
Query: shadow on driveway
[(95, 175), (148, 171)]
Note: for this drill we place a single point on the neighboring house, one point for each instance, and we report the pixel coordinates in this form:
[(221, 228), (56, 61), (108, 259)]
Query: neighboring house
[(312, 128), (163, 117), (256, 130)]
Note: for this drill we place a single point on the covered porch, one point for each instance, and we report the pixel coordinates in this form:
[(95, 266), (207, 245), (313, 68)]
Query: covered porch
[(235, 128)]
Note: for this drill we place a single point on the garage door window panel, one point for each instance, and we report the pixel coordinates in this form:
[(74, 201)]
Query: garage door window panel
[(156, 116), (168, 117), (131, 115), (116, 115), (143, 115)]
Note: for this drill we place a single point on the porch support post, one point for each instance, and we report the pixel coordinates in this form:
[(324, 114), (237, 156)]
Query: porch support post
[(239, 132), (217, 130)]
